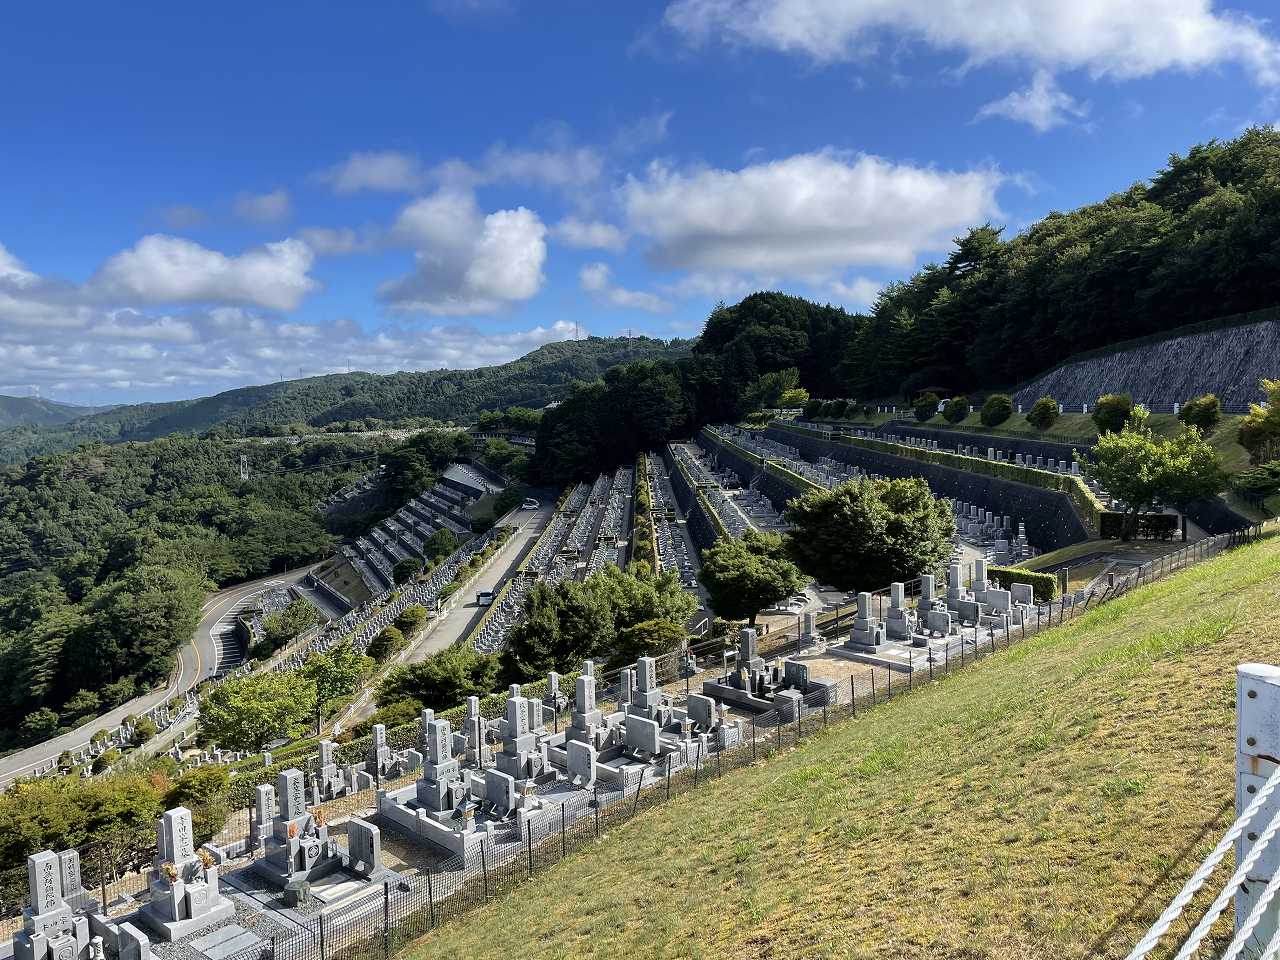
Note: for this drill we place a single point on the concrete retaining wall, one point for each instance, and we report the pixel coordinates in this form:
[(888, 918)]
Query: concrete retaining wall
[(1050, 518)]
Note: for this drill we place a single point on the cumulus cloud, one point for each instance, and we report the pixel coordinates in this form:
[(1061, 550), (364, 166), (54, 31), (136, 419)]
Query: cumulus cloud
[(381, 170), (263, 207), (1132, 39), (597, 279), (589, 234), (467, 262), (59, 337), (1044, 105), (806, 214), (337, 241), (164, 269), (859, 294)]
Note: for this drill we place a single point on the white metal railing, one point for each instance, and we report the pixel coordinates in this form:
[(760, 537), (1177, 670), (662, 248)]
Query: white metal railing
[(1256, 879)]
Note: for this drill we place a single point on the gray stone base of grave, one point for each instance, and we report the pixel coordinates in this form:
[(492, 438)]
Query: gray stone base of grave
[(170, 930), (225, 942), (120, 941), (279, 875)]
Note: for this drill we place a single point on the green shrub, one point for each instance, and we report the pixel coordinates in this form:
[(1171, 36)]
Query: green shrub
[(836, 408), (411, 618), (1044, 586), (1203, 413), (143, 731), (1112, 412), (956, 409), (812, 409), (997, 409), (1260, 481), (926, 406), (386, 644), (1043, 413), (104, 760)]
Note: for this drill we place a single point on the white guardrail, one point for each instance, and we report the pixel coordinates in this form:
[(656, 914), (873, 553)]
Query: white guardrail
[(1256, 879)]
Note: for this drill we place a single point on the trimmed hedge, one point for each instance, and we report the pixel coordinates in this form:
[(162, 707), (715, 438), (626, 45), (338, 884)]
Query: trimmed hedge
[(1044, 586)]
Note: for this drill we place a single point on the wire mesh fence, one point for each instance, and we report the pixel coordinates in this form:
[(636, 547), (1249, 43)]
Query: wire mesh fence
[(404, 909)]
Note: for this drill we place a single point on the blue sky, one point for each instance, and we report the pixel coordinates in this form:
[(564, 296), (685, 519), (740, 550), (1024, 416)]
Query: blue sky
[(196, 200)]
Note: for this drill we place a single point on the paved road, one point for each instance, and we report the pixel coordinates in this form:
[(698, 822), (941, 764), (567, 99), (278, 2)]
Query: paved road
[(463, 617), (459, 620), (196, 661)]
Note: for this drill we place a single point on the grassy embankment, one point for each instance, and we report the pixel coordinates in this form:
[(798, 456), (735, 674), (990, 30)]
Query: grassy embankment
[(1045, 802)]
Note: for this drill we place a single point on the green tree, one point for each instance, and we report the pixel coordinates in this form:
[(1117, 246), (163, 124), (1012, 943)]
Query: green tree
[(561, 627), (1203, 413), (406, 569), (926, 406), (411, 619), (335, 674), (143, 730), (440, 544), (249, 712), (1043, 413), (648, 638), (744, 575), (866, 534), (39, 725), (1112, 412), (996, 409), (442, 680), (1145, 470), (386, 644), (956, 409), (1259, 430)]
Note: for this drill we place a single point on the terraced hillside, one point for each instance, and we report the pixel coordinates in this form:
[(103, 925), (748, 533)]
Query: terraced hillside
[(1046, 802)]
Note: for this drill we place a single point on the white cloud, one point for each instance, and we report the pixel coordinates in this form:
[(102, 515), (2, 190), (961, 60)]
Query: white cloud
[(12, 271), (59, 336), (643, 132), (1132, 39), (589, 235), (1044, 105), (467, 262), (337, 241), (597, 279), (859, 294), (560, 166), (805, 215), (384, 170), (164, 269), (263, 207)]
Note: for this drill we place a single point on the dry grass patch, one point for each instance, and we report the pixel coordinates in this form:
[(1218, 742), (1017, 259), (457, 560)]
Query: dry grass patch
[(1046, 802)]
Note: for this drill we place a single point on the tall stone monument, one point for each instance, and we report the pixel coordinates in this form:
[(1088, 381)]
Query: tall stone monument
[(183, 882)]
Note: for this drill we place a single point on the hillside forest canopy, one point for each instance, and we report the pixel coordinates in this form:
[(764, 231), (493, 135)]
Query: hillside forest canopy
[(1201, 240), (110, 551), (347, 402)]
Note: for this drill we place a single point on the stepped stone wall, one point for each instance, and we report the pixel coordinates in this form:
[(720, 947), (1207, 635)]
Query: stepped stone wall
[(1050, 517), (1227, 362)]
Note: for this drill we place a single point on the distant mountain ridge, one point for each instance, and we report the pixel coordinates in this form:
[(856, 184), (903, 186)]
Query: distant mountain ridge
[(40, 412), (532, 380)]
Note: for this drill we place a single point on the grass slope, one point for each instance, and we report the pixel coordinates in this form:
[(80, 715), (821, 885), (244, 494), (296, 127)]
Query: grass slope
[(1046, 802)]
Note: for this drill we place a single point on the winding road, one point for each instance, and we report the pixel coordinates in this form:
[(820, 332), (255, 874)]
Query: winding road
[(197, 661)]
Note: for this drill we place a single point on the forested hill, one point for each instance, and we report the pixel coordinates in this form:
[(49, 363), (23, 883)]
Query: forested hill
[(531, 381), (1199, 241), (37, 412)]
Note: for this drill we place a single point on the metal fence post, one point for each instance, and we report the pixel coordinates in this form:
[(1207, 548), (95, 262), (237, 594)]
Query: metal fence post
[(484, 870), (668, 778), (386, 919), (431, 895), (322, 936), (888, 677), (562, 825), (753, 738), (596, 792), (853, 693), (102, 875), (1257, 741), (911, 669)]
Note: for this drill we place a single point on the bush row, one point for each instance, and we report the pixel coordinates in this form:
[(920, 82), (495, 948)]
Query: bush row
[(1044, 586)]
